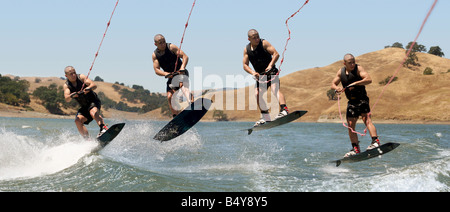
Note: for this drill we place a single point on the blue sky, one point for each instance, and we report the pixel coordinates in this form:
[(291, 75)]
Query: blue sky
[(41, 37)]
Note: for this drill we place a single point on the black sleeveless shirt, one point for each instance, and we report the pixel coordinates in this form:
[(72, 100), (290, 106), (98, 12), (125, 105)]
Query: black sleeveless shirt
[(358, 92), (259, 57), (167, 59), (84, 100)]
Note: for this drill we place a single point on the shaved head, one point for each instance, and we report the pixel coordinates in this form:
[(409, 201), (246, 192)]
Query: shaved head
[(160, 42), (68, 69), (348, 56), (252, 32), (349, 61), (158, 37)]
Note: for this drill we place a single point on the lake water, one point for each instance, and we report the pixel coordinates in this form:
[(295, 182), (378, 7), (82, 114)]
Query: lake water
[(49, 155)]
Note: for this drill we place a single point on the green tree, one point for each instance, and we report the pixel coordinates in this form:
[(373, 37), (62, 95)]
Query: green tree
[(106, 102), (138, 87), (417, 47), (51, 97), (116, 87), (10, 99), (412, 58), (14, 92), (165, 110), (428, 71), (395, 45), (219, 115), (151, 100), (332, 94), (98, 79), (436, 50), (386, 80)]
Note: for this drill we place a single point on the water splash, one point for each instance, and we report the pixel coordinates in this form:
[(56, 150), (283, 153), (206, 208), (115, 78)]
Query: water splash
[(26, 157)]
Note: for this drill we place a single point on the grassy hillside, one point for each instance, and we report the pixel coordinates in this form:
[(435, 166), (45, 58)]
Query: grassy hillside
[(413, 97)]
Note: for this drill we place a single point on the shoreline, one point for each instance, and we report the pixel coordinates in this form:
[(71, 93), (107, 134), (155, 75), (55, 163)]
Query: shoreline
[(33, 114)]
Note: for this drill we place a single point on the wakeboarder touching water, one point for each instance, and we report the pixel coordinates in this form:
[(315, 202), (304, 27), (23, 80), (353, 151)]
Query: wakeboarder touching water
[(354, 78), (81, 88)]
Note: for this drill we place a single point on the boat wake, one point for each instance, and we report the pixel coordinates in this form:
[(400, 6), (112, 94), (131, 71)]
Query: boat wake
[(28, 157)]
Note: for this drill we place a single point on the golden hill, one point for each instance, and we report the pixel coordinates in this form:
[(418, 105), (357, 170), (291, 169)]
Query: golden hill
[(414, 97)]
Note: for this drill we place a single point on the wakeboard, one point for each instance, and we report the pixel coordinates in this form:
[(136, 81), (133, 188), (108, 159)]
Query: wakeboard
[(110, 134), (184, 121), (383, 149), (277, 122)]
